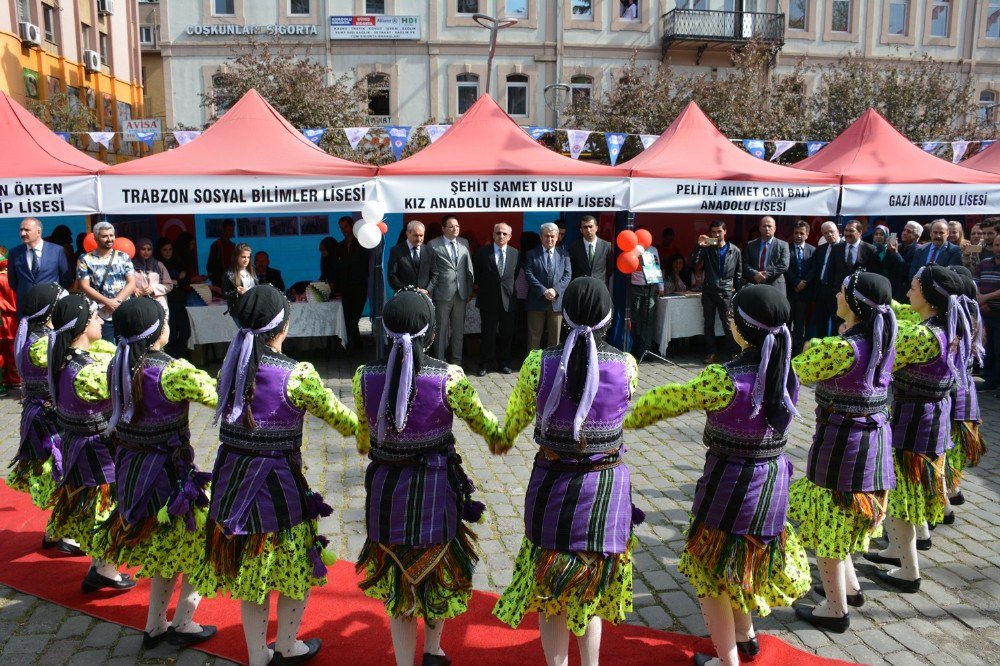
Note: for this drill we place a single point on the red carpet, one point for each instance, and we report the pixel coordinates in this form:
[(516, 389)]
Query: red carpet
[(354, 628)]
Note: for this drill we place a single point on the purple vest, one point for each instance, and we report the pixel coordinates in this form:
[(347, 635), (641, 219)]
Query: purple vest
[(157, 420), (850, 393), (429, 423), (73, 414), (925, 382), (602, 428), (34, 380), (278, 422)]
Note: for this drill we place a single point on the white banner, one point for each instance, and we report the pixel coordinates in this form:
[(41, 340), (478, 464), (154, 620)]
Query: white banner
[(924, 199), (440, 194), (232, 194), (666, 195), (37, 197)]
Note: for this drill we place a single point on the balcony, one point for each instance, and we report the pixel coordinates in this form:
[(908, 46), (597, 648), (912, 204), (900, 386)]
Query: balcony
[(706, 29)]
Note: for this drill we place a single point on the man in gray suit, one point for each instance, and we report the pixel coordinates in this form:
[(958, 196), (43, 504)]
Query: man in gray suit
[(765, 260), (589, 255), (450, 288), (546, 269)]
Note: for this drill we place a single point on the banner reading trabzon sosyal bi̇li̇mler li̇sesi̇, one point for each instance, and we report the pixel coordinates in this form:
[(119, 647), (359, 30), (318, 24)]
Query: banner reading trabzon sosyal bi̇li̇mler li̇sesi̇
[(666, 195), (414, 194)]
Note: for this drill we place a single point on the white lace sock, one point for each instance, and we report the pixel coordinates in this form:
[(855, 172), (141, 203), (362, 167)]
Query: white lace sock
[(255, 631), (404, 640), (718, 614), (106, 569), (289, 619), (160, 591), (555, 639), (186, 606), (851, 577), (910, 568), (895, 530), (831, 572), (743, 626), (590, 643), (923, 531), (432, 637)]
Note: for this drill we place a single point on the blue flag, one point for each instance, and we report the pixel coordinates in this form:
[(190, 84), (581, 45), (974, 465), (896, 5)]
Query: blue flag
[(537, 132), (930, 146), (813, 147), (63, 135), (314, 135), (615, 141), (755, 147), (983, 145), (146, 138), (398, 135)]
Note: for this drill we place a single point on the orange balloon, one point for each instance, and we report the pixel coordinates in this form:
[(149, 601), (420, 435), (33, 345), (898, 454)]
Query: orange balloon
[(627, 240), (383, 227), (628, 262), (89, 242), (644, 237), (126, 246)]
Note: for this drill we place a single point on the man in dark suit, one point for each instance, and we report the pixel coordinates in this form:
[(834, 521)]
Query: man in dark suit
[(352, 269), (939, 251), (266, 274), (547, 271), (36, 262), (851, 255), (450, 288), (495, 268), (590, 256), (721, 260), (766, 258), (824, 288), (797, 280), (220, 253), (410, 263), (899, 256)]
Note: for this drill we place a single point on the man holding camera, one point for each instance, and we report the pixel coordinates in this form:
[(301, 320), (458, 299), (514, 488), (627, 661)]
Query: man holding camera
[(722, 261)]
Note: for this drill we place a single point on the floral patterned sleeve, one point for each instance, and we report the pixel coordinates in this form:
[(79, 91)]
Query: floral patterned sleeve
[(306, 391), (915, 343), (91, 383), (38, 353), (182, 382), (711, 390), (824, 359), (102, 348), (633, 372), (465, 402), (521, 405), (905, 313), (364, 435)]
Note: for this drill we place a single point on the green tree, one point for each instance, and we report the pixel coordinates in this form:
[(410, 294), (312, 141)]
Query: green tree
[(63, 114)]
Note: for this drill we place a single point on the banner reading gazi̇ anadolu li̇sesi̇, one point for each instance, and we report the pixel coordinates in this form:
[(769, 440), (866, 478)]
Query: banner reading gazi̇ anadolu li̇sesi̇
[(667, 195), (57, 195), (921, 199)]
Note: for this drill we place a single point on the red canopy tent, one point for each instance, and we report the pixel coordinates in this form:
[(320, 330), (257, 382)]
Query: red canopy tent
[(43, 174), (986, 160), (486, 162), (257, 163), (692, 167), (883, 173)]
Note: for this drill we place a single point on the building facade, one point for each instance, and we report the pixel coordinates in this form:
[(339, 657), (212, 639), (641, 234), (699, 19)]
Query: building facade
[(85, 49)]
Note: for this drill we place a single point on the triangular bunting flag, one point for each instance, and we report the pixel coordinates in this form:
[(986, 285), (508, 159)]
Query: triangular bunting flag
[(615, 141), (398, 135), (983, 145), (146, 138), (354, 135), (187, 136), (930, 146), (103, 138), (813, 147), (314, 135), (63, 135), (780, 148), (958, 149), (755, 147), (537, 132), (647, 140), (434, 132), (577, 141)]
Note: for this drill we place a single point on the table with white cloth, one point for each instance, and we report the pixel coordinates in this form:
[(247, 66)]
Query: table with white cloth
[(680, 316), (210, 323)]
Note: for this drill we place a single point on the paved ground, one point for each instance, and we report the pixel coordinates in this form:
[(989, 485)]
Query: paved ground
[(954, 619)]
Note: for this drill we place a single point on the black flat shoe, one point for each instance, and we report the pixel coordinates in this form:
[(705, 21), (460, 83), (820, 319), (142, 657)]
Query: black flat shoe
[(185, 639), (924, 544), (62, 547), (878, 559), (702, 659), (314, 644), (94, 581), (837, 625), (481, 372), (900, 584), (435, 660), (949, 519), (957, 500), (748, 649), (856, 600), (149, 642)]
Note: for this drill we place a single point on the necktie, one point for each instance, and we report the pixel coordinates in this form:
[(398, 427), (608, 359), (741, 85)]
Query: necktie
[(850, 257), (590, 253), (34, 263), (798, 258), (416, 257), (548, 265), (454, 252), (763, 255), (501, 261), (826, 258), (933, 255)]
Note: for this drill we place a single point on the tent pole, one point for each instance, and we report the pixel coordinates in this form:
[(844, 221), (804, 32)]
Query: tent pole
[(378, 301), (627, 338)]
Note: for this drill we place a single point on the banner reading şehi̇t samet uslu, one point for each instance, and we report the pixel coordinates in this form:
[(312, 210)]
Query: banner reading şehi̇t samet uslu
[(35, 197), (414, 194), (667, 195), (921, 199)]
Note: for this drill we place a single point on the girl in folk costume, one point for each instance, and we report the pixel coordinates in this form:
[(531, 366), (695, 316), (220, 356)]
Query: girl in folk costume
[(262, 533), (419, 555), (841, 503), (85, 485), (575, 563), (925, 368), (158, 523), (741, 556)]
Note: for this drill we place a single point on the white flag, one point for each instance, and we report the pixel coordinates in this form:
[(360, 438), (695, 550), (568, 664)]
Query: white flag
[(958, 149), (103, 138), (434, 132), (780, 147), (577, 141), (186, 137), (648, 139), (354, 135)]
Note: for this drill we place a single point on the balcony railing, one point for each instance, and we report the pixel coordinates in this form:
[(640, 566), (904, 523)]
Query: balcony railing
[(696, 25)]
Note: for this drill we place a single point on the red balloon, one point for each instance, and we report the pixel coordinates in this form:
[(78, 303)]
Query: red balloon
[(383, 227), (126, 246), (627, 240), (628, 262), (645, 238), (89, 242)]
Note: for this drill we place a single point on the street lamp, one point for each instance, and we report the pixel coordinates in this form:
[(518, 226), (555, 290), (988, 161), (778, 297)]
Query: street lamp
[(557, 97), (494, 25)]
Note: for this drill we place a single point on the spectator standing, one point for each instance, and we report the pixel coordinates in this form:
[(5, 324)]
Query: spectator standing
[(354, 266), (8, 328), (899, 256), (495, 269), (220, 253), (938, 251), (240, 277), (956, 234), (106, 276), (266, 274), (988, 281), (328, 251), (851, 255), (647, 283), (63, 237), (825, 287), (36, 261), (766, 258), (547, 270), (450, 288), (180, 327), (721, 262), (151, 277), (668, 250), (797, 280), (989, 229), (880, 260), (589, 255), (410, 263)]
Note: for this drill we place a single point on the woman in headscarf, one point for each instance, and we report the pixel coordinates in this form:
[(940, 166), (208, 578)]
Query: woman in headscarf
[(151, 277), (158, 523), (741, 556), (85, 480), (328, 261), (419, 555), (262, 533), (925, 369), (881, 263), (841, 503), (575, 563)]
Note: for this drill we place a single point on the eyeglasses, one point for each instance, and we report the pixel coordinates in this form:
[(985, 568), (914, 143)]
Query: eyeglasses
[(501, 233)]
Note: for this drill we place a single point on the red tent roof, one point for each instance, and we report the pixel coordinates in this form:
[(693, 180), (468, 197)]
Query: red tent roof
[(250, 139), (986, 160), (486, 141), (873, 151), (35, 151), (693, 148)]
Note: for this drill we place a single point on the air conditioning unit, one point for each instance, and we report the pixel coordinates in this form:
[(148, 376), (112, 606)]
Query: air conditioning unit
[(30, 34), (92, 61), (105, 7)]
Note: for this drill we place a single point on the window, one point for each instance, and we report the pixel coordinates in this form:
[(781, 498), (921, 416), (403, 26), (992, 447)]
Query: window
[(517, 8), (49, 22), (629, 10), (251, 227), (582, 88), (841, 19), (468, 91), (224, 7), (85, 35), (23, 11), (467, 6), (378, 95), (987, 107), (103, 42), (517, 95), (899, 11), (299, 8), (798, 15), (583, 10), (940, 18), (993, 20), (146, 35), (695, 4), (374, 6)]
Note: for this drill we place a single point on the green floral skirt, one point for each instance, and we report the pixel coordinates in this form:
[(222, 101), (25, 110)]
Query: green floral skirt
[(918, 497), (829, 525), (582, 585), (158, 549), (35, 478), (76, 512)]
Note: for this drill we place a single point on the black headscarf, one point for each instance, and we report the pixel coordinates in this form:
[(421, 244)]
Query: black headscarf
[(145, 265), (34, 309), (70, 317), (971, 324), (262, 312), (408, 319), (943, 289), (138, 323), (869, 296), (327, 264), (760, 312)]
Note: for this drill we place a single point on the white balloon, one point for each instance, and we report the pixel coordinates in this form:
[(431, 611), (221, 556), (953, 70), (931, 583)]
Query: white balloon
[(373, 211), (369, 236), (357, 226)]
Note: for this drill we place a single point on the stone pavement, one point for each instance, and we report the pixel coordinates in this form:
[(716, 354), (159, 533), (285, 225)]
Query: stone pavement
[(954, 618)]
